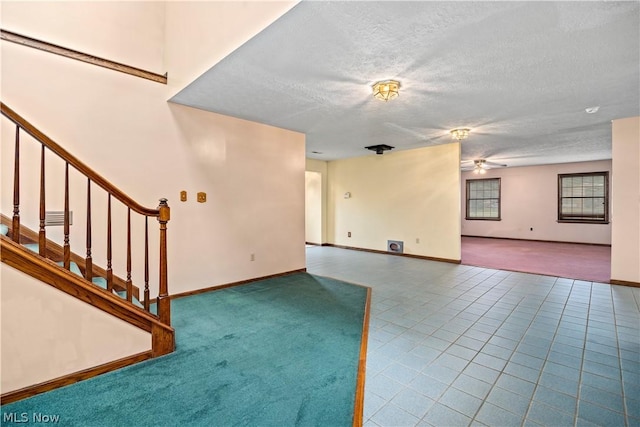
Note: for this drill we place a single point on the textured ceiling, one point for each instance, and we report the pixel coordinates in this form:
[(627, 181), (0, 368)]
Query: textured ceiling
[(519, 74)]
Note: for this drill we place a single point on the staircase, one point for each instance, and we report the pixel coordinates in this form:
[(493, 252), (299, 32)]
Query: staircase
[(29, 240), (53, 263)]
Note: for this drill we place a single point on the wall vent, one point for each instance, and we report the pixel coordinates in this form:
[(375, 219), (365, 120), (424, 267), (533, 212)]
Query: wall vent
[(396, 246), (56, 218)]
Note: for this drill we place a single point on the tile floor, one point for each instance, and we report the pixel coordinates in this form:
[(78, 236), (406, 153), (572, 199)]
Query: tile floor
[(455, 345)]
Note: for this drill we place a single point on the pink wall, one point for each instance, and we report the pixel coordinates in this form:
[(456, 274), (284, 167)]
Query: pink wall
[(529, 198)]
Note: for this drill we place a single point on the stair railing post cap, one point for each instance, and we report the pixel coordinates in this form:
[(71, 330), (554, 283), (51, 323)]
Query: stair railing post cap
[(165, 211)]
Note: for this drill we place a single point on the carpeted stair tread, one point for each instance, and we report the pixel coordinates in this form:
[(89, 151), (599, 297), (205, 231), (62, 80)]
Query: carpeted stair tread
[(4, 229), (123, 295), (73, 267), (100, 281), (33, 247)]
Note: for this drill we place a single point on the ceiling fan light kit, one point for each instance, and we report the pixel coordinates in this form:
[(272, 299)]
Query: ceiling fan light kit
[(480, 166), (386, 90)]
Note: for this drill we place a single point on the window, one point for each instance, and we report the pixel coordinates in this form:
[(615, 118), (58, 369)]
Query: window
[(583, 197), (483, 199)]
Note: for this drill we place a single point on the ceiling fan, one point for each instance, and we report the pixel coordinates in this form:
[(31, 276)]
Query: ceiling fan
[(480, 166)]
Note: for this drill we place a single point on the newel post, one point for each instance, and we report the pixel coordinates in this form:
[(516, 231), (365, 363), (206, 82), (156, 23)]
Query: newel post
[(164, 303)]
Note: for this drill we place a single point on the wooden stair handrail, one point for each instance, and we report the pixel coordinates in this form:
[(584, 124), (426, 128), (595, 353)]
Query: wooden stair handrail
[(21, 40), (80, 286), (77, 164), (162, 213)]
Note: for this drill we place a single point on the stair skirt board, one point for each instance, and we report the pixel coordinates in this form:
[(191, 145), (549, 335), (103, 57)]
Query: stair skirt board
[(102, 282), (55, 251), (99, 281)]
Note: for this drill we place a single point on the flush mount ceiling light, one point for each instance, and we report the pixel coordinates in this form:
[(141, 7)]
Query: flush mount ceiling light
[(460, 133), (592, 110), (379, 149), (386, 90)]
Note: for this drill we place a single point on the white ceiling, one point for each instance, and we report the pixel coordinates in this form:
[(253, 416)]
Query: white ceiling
[(519, 74)]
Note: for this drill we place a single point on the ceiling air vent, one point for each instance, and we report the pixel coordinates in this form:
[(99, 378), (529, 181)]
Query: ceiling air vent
[(380, 148)]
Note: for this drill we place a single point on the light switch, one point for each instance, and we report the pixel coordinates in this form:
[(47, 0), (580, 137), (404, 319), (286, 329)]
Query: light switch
[(183, 196)]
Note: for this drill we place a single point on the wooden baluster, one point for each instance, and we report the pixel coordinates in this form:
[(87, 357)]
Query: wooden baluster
[(88, 269), (66, 247), (146, 263), (164, 303), (109, 270), (42, 234), (15, 227), (128, 282)]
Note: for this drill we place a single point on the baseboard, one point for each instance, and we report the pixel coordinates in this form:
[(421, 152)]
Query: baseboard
[(624, 283), (358, 409), (538, 240), (375, 251), (23, 393), (229, 285)]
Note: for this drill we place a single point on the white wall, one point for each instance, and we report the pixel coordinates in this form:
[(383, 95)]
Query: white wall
[(123, 127), (406, 195), (132, 34), (313, 207), (47, 334), (529, 197), (625, 200), (254, 178), (320, 167)]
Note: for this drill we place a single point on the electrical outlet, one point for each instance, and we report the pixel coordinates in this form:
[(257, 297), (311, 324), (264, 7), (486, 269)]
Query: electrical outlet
[(252, 257), (183, 196), (202, 197), (417, 240)]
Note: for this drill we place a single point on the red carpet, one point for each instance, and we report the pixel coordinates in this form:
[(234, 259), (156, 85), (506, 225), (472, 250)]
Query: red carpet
[(570, 260)]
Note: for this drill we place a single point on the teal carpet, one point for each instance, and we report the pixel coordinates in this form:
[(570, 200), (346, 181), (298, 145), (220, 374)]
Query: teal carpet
[(278, 352)]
